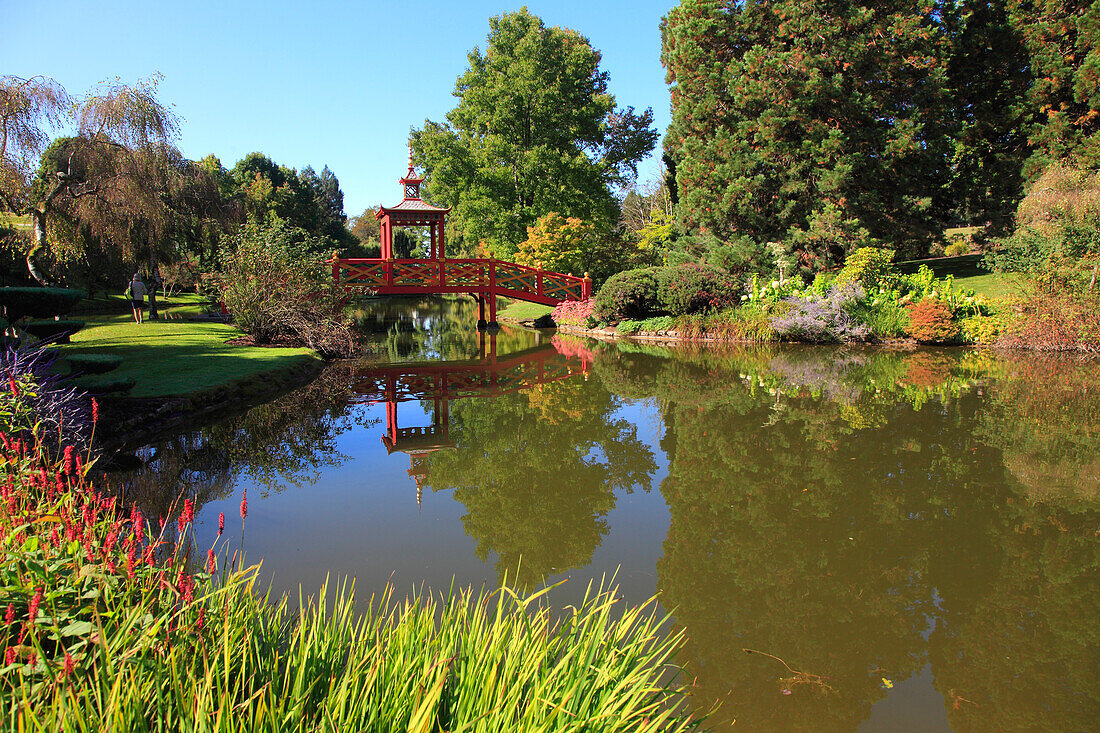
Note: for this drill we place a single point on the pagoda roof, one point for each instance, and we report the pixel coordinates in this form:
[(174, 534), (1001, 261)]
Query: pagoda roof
[(414, 206)]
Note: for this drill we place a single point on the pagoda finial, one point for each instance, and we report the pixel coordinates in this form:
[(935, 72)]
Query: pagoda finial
[(410, 156)]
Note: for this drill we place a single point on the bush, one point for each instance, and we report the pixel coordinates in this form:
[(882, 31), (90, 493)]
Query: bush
[(631, 294), (868, 266), (957, 248), (274, 285), (93, 363), (930, 322), (1059, 321), (35, 392), (823, 319), (57, 331), (649, 325), (693, 288), (575, 313), (38, 302), (981, 329)]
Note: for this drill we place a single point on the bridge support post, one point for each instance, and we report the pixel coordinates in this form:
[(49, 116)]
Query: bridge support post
[(482, 324)]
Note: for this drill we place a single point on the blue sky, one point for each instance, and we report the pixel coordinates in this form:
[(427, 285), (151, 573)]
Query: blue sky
[(311, 83)]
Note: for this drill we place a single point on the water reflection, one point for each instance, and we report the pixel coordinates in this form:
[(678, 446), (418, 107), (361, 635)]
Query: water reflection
[(852, 514), (914, 532)]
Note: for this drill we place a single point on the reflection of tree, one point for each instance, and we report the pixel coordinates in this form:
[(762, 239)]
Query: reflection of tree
[(407, 329), (1021, 650), (285, 441), (537, 471), (1044, 416), (828, 512)]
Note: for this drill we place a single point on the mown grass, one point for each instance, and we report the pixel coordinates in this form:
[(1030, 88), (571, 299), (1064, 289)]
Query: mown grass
[(521, 310), (176, 356)]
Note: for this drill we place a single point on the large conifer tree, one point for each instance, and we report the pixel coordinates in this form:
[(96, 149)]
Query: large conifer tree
[(806, 122)]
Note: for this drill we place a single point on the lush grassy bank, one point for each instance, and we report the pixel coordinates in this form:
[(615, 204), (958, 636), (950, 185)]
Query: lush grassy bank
[(176, 356)]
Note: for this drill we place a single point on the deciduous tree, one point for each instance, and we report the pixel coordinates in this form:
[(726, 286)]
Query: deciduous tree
[(535, 131)]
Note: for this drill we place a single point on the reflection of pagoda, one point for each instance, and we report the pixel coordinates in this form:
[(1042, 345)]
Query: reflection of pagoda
[(418, 442), (441, 382)]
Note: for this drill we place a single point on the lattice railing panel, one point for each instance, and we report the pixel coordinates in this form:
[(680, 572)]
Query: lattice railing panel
[(415, 273), (562, 287), (467, 273), (517, 277), (370, 275)]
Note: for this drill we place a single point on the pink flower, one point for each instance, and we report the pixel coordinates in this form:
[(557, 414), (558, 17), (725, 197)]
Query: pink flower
[(68, 460), (95, 411), (244, 504), (221, 523), (9, 655), (211, 563), (70, 665), (9, 616), (36, 601), (12, 385)]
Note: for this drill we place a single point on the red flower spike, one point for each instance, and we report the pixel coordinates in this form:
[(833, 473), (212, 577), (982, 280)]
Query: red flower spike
[(95, 411), (36, 601), (211, 563), (9, 616), (68, 460), (201, 619), (244, 504), (12, 385), (221, 523), (70, 665), (9, 655)]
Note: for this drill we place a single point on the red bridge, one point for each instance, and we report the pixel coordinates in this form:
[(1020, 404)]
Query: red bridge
[(485, 279)]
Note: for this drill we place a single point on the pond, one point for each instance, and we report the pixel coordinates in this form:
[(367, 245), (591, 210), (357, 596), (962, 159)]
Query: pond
[(851, 538)]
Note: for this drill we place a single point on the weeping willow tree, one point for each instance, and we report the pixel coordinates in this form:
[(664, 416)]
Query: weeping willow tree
[(119, 175)]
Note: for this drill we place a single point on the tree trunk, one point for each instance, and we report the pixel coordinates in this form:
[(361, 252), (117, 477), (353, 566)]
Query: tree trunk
[(37, 245), (154, 278)]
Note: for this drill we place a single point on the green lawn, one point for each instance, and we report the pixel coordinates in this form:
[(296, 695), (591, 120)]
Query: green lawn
[(175, 356), (991, 285), (15, 220), (521, 310)]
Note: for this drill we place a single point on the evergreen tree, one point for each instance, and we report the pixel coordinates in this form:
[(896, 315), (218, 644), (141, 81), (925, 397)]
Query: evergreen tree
[(1063, 39), (806, 123)]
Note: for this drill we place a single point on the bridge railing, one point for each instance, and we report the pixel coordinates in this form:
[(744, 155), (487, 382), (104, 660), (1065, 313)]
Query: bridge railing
[(489, 276)]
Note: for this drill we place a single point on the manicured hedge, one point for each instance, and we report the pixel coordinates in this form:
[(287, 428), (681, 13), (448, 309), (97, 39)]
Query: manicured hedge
[(57, 331), (38, 302)]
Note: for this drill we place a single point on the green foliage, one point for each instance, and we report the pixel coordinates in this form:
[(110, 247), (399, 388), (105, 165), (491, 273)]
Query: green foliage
[(984, 330), (822, 139), (871, 267), (628, 327), (692, 288), (59, 331), (535, 131), (1063, 41), (276, 288), (883, 315), (630, 294), (1057, 243), (38, 302), (562, 244)]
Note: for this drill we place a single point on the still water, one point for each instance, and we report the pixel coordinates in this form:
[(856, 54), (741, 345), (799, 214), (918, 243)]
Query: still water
[(853, 539)]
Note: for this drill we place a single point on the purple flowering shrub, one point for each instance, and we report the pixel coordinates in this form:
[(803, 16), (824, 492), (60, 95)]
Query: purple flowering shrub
[(60, 410), (575, 313), (823, 319)]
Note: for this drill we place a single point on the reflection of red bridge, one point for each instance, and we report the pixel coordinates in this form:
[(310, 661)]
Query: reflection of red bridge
[(488, 376), (485, 279)]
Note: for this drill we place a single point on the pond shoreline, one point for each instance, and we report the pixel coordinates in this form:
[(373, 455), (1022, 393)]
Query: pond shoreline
[(129, 422)]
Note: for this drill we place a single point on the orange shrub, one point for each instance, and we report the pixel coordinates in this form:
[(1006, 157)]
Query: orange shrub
[(930, 322)]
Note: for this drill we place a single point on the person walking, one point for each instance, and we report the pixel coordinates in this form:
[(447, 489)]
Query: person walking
[(137, 291)]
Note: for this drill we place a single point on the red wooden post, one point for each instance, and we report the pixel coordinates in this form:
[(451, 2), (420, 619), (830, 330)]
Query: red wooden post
[(335, 270), (493, 296), (586, 287), (538, 280)]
